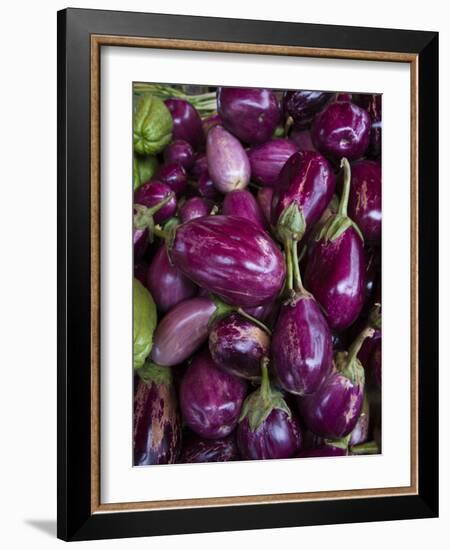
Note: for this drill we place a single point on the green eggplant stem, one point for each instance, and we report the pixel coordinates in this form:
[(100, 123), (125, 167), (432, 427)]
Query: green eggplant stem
[(223, 309), (367, 448), (356, 346), (254, 320), (289, 266), (298, 284), (342, 210), (265, 381)]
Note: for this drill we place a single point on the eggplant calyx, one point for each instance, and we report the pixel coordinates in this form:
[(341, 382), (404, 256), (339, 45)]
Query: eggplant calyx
[(291, 225), (151, 372), (263, 401), (348, 364), (367, 448), (341, 443)]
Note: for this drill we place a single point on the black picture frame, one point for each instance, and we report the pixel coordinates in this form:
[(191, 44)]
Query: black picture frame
[(75, 519)]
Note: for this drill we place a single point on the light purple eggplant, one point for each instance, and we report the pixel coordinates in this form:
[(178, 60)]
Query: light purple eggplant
[(364, 205), (210, 398), (167, 285), (341, 129), (195, 207), (173, 175), (197, 450), (228, 164), (267, 428), (334, 409), (335, 269), (267, 160), (238, 346), (306, 186), (179, 152), (151, 195), (207, 189), (187, 124), (182, 331), (237, 261), (243, 204), (302, 105), (156, 423), (250, 114)]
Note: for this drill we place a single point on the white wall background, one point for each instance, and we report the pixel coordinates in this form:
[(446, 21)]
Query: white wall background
[(28, 271)]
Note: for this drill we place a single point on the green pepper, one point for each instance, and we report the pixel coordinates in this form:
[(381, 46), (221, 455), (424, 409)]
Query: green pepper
[(152, 129), (144, 168), (144, 323)]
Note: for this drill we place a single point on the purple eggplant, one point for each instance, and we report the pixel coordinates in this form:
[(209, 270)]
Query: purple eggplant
[(210, 398), (360, 433), (174, 176), (237, 261), (243, 204), (197, 450), (187, 124), (264, 198), (335, 270), (333, 410), (306, 186), (372, 104), (151, 195), (179, 152), (228, 162), (364, 205), (182, 331), (156, 430), (251, 114), (167, 285), (195, 207), (341, 129), (267, 428), (302, 105), (238, 346), (207, 189), (302, 139), (200, 166), (322, 451), (267, 160)]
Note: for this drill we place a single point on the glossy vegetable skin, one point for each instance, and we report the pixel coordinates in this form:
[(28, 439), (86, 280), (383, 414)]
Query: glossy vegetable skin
[(198, 450), (179, 152), (187, 125), (267, 160), (302, 105), (151, 194), (243, 204), (195, 207)]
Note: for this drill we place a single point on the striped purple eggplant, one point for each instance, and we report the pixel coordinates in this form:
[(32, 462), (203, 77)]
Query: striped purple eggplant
[(226, 256), (267, 160), (243, 204), (210, 398), (197, 450), (335, 269), (156, 430)]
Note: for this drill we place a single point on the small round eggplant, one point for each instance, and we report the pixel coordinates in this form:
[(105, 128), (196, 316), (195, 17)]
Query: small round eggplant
[(228, 162), (182, 331), (364, 205), (237, 261), (207, 189), (173, 175), (334, 409), (267, 428), (197, 450), (243, 204), (342, 129), (187, 124), (179, 152), (156, 430), (264, 198), (335, 270), (238, 346), (267, 160), (167, 285), (251, 114), (210, 398), (302, 105), (195, 207), (153, 193)]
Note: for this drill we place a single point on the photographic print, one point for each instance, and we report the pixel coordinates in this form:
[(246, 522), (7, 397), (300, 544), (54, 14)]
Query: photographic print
[(257, 273)]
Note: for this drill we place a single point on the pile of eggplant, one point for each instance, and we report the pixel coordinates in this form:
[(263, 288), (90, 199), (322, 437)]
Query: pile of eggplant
[(257, 274)]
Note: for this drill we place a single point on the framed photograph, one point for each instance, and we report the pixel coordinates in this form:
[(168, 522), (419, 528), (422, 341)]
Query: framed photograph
[(247, 287)]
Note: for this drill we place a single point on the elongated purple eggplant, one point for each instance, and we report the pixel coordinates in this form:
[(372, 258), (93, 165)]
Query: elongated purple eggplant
[(167, 285), (267, 160), (360, 433), (237, 261), (243, 204), (182, 331), (187, 124), (267, 428), (174, 176), (306, 184), (264, 198), (210, 398), (156, 431), (372, 104), (198, 450), (341, 129), (333, 410), (251, 114), (228, 163), (195, 207), (364, 205), (238, 346), (152, 194), (302, 105), (335, 270), (179, 152)]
